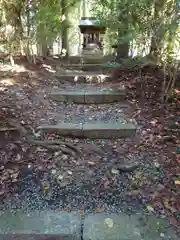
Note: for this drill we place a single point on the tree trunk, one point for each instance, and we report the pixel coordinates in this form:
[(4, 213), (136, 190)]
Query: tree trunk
[(123, 50), (123, 46), (158, 32), (44, 48), (64, 35), (27, 43)]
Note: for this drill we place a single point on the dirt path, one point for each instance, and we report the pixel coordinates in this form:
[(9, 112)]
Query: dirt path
[(40, 178)]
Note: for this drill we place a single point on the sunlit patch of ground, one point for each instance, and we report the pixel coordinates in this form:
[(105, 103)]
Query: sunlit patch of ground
[(7, 82)]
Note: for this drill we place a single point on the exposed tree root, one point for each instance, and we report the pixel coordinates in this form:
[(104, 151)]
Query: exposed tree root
[(53, 145)]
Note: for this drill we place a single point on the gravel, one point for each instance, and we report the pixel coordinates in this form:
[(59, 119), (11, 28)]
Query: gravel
[(90, 186)]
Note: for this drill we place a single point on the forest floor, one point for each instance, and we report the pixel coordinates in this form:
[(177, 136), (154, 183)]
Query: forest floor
[(90, 182)]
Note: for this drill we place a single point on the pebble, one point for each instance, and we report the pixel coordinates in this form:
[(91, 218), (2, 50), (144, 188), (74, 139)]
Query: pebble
[(29, 166), (53, 171), (91, 163), (156, 164), (65, 157), (1, 168), (57, 153), (114, 171), (60, 177), (127, 167)]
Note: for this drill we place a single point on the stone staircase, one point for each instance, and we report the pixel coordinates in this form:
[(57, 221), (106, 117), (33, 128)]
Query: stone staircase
[(61, 225), (88, 94)]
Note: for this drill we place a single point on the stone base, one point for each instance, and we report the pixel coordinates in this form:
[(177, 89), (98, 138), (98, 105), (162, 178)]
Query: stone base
[(98, 130)]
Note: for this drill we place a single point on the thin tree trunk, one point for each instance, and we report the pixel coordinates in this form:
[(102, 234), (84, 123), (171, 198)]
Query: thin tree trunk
[(64, 49), (123, 50), (124, 46), (158, 32)]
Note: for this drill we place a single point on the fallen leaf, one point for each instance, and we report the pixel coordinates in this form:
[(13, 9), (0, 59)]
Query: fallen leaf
[(18, 157), (60, 177), (156, 164), (45, 187), (173, 221), (166, 204), (100, 209), (69, 172), (150, 208), (114, 171), (177, 182), (91, 163), (40, 149), (106, 183), (81, 212), (109, 222)]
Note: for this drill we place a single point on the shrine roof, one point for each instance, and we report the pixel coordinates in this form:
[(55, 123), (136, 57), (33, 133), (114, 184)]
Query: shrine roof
[(91, 22)]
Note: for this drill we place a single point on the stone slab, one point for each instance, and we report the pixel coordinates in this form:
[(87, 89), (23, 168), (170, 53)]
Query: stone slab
[(64, 129), (110, 129), (92, 66), (79, 65), (88, 96), (99, 129), (84, 67), (40, 225), (70, 96), (104, 96), (78, 73), (104, 226)]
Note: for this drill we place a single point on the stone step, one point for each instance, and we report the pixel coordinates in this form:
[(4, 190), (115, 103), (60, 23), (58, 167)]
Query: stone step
[(84, 77), (89, 95), (93, 66), (90, 58), (61, 225), (97, 129), (85, 66), (40, 225), (103, 226), (79, 65)]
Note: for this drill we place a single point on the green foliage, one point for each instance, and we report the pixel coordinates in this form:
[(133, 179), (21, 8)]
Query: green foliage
[(48, 21), (125, 18), (135, 63)]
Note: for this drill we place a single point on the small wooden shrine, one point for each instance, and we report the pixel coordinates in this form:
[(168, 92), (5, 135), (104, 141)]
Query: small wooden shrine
[(93, 31)]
